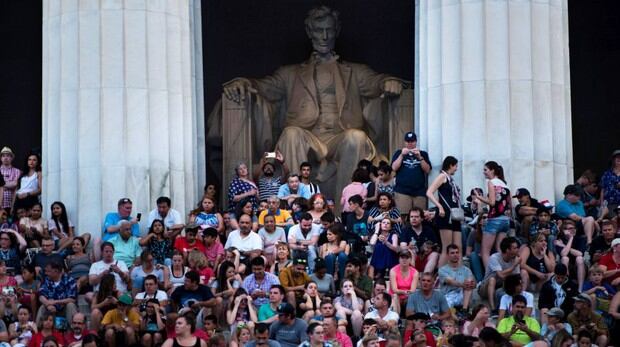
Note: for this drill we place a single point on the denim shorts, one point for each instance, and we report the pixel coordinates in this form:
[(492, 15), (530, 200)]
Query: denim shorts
[(497, 225)]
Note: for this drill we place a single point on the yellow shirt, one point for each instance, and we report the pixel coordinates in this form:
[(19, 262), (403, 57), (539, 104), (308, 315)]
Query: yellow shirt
[(115, 317), (281, 217)]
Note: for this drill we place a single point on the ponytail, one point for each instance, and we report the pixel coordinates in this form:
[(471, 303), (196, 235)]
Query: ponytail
[(497, 169)]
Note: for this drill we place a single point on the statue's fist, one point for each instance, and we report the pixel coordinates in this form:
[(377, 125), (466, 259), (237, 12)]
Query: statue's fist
[(237, 89), (392, 87)]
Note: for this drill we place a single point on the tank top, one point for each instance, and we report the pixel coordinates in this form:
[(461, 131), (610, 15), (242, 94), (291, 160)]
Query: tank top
[(535, 263), (29, 183), (449, 193), (177, 344), (403, 283), (177, 281), (79, 266), (502, 198)]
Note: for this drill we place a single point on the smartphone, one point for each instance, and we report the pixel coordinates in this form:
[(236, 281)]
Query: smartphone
[(270, 155), (139, 216)]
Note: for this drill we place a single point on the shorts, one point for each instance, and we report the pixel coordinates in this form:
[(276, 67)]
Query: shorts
[(497, 225), (454, 297), (444, 222), (405, 203), (484, 286)]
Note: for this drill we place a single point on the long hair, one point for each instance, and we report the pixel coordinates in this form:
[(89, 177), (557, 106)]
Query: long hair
[(221, 275), (106, 287), (497, 169), (63, 219)]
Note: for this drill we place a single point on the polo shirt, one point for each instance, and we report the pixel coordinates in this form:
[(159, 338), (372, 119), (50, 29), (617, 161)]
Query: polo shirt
[(281, 216), (505, 325), (173, 217), (127, 251), (113, 218)]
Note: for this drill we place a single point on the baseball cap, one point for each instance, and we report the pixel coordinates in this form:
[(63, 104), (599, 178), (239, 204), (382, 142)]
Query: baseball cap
[(286, 308), (125, 299), (615, 153), (560, 269), (411, 137), (300, 261), (556, 312), (124, 201), (615, 242), (583, 297), (521, 192)]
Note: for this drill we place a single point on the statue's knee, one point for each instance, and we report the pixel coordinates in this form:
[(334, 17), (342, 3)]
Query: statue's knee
[(292, 133), (355, 136)]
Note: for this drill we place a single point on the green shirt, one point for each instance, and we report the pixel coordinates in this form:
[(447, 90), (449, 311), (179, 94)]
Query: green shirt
[(265, 312), (364, 283), (505, 326)]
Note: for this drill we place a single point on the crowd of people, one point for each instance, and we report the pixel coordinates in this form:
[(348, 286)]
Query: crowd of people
[(398, 261)]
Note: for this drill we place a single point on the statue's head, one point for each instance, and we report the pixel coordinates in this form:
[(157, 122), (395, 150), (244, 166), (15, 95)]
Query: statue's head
[(323, 27)]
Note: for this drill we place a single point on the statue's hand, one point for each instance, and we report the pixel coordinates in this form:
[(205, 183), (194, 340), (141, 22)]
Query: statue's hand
[(392, 88), (238, 89)]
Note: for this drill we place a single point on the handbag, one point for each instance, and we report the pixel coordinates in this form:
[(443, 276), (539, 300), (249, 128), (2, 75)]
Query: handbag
[(457, 214)]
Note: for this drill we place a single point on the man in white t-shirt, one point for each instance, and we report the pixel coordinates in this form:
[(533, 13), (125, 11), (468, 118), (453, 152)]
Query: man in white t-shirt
[(107, 265), (243, 239), (171, 217), (303, 238), (386, 319)]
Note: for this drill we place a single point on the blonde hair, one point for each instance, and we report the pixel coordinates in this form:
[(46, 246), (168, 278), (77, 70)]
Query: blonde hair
[(198, 258), (596, 269)]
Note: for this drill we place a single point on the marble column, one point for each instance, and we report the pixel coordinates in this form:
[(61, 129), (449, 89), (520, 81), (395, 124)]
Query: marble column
[(492, 83), (122, 105)]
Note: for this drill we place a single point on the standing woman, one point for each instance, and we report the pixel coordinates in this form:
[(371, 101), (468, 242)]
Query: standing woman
[(449, 197), (29, 184), (184, 327), (242, 187), (498, 199)]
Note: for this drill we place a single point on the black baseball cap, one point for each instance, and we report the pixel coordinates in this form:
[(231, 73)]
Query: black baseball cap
[(522, 192)]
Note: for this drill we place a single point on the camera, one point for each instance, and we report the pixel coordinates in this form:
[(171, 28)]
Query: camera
[(8, 291)]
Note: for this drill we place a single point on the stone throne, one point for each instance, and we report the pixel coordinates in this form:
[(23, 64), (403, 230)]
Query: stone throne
[(246, 130)]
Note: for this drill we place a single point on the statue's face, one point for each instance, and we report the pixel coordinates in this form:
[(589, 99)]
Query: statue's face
[(323, 34)]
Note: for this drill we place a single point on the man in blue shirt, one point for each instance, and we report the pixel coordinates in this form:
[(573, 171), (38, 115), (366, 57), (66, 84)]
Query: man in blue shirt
[(293, 189), (412, 167), (572, 208), (111, 225)]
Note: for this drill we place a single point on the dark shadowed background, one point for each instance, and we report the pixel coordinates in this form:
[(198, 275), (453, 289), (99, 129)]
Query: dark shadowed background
[(252, 38)]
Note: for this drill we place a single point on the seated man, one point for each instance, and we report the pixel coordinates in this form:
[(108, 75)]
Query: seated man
[(268, 313), (288, 330), (334, 335), (303, 238), (126, 246), (248, 243), (415, 236), (74, 337), (172, 218), (189, 241), (293, 189), (58, 293), (543, 224), (525, 210), (500, 265), (46, 256), (385, 318), (456, 280), (259, 282), (192, 295), (583, 319), (261, 337), (558, 291), (121, 320), (283, 217), (427, 300), (602, 243), (109, 265), (362, 284), (328, 309), (294, 280), (572, 208), (111, 224), (519, 328)]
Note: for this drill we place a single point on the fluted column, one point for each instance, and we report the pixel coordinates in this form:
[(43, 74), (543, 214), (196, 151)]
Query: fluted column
[(122, 105), (493, 83)]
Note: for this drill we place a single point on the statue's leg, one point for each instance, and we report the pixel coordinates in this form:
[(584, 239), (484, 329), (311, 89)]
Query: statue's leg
[(295, 143), (347, 149)]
